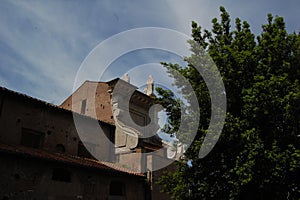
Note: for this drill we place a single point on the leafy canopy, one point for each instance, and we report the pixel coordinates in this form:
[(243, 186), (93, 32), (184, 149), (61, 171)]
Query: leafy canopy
[(258, 153)]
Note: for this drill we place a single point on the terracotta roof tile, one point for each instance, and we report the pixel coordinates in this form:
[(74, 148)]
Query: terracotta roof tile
[(68, 159)]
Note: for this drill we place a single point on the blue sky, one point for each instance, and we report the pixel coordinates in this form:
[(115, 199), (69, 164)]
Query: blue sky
[(43, 43)]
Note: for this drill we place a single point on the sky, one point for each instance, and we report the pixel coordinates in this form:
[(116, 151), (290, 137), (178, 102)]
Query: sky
[(44, 44)]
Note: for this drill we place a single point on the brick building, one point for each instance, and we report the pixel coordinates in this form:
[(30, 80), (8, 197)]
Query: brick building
[(43, 156), (109, 102)]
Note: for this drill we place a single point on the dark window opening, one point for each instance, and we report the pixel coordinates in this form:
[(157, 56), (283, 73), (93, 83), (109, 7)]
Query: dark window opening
[(117, 158), (17, 176), (62, 175), (83, 106), (31, 138), (83, 151), (116, 188), (138, 118), (112, 135), (59, 148)]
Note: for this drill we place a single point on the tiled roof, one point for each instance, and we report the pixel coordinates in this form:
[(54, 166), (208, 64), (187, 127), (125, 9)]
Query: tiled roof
[(67, 159)]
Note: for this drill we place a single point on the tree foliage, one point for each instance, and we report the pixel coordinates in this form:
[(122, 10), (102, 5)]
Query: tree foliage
[(258, 153)]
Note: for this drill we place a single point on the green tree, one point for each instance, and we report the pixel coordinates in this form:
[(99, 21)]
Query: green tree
[(258, 153)]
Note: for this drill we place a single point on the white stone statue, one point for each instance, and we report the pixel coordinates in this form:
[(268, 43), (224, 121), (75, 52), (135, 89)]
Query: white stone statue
[(150, 86), (126, 78)]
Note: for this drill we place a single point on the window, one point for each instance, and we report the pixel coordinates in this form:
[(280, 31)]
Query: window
[(60, 174), (138, 118), (31, 138), (83, 106), (83, 151), (59, 148), (117, 157), (116, 188)]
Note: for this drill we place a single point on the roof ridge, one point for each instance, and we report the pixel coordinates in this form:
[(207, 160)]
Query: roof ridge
[(49, 104), (71, 159)]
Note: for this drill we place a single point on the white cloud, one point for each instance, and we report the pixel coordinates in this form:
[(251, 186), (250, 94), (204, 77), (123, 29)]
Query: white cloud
[(54, 37), (254, 12), (48, 40), (200, 11), (48, 44)]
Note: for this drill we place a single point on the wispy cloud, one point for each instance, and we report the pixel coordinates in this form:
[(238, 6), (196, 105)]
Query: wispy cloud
[(45, 45), (52, 38), (42, 43), (254, 12)]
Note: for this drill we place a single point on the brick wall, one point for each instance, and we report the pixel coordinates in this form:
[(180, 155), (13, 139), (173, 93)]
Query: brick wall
[(29, 178), (21, 114)]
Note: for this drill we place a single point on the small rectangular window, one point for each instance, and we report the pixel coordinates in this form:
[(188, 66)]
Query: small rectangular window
[(60, 174), (32, 138), (117, 188), (83, 106)]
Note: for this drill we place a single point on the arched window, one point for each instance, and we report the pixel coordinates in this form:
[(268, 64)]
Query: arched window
[(116, 188), (59, 148)]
